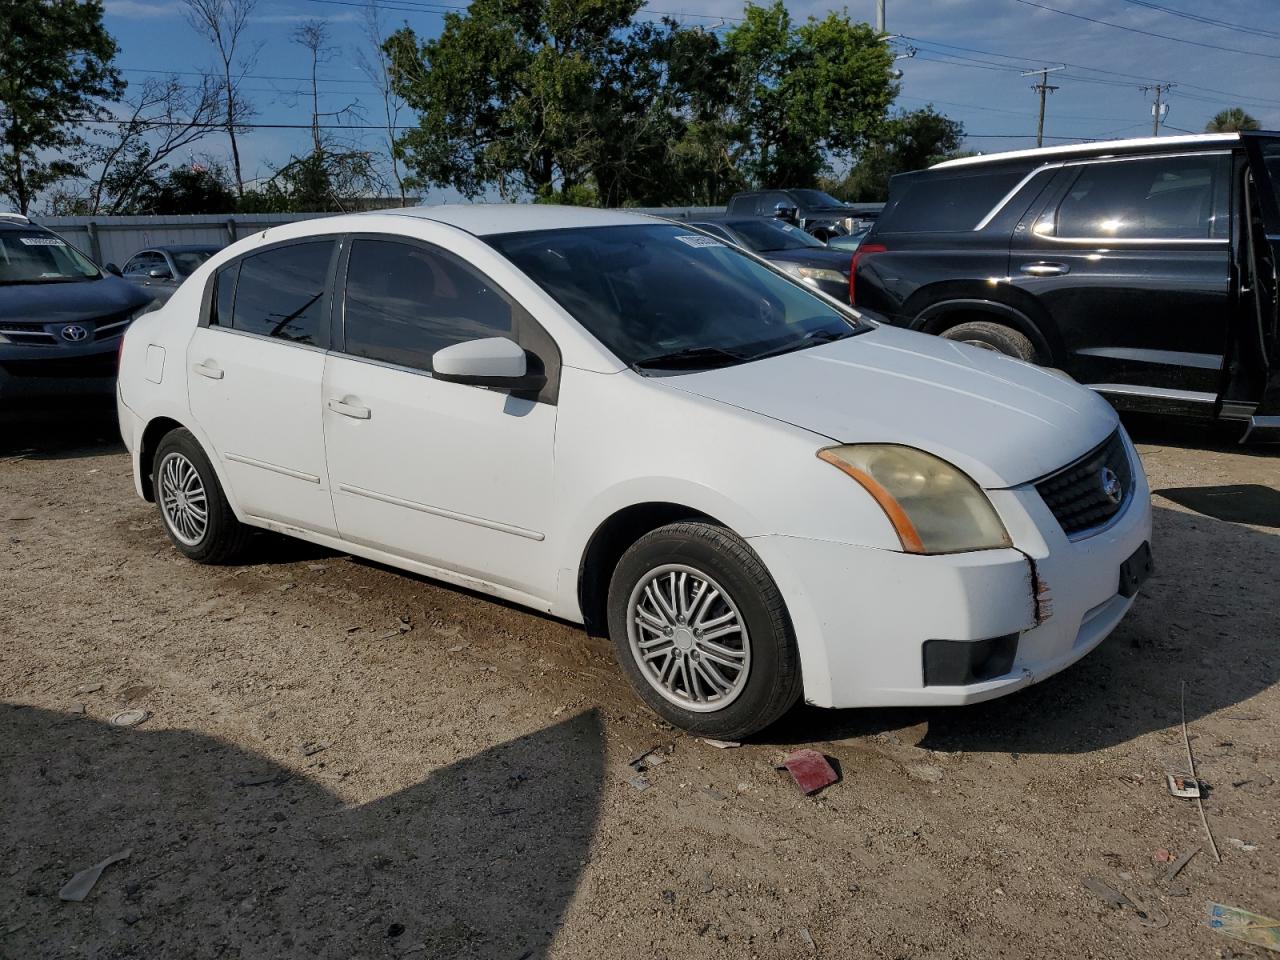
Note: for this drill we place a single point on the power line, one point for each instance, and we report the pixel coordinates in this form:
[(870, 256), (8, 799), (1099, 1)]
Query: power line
[(1148, 33), (1225, 24)]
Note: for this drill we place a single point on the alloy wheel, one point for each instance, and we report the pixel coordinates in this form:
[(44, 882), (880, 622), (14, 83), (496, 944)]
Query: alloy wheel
[(183, 500)]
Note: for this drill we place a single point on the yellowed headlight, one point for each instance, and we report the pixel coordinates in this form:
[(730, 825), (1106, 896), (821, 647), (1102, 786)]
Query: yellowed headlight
[(933, 506)]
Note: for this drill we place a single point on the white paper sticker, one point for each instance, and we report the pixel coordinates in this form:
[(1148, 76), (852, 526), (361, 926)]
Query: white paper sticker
[(697, 240), (42, 242)]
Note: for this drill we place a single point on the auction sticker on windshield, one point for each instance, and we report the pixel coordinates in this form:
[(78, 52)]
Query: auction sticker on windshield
[(42, 242), (694, 240)]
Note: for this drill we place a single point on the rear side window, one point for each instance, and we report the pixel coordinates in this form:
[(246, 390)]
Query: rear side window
[(934, 203), (280, 293), (744, 204), (404, 302), (1169, 198)]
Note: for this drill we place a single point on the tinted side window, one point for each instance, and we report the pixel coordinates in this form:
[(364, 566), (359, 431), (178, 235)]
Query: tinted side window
[(280, 293), (404, 302), (142, 263), (745, 204), (1161, 199), (224, 294), (952, 203)]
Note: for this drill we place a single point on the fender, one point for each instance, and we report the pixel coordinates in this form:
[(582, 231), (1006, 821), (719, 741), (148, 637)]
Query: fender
[(927, 320)]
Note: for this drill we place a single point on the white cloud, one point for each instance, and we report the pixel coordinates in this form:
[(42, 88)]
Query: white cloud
[(140, 10)]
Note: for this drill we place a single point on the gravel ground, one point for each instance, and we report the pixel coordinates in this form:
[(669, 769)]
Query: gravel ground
[(341, 760)]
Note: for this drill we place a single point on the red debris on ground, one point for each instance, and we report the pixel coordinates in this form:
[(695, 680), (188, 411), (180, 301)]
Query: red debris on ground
[(810, 770)]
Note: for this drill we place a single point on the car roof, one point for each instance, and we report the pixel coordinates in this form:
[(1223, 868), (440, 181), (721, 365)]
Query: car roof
[(486, 219), (1093, 149)]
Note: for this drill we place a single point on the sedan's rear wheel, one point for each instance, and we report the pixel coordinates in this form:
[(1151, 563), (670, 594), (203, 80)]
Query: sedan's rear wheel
[(195, 511), (701, 631)]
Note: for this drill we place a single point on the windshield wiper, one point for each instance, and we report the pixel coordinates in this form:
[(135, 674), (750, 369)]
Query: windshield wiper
[(808, 340), (698, 358)]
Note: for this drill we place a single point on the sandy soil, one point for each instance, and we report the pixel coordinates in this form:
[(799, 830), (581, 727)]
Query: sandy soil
[(342, 760)]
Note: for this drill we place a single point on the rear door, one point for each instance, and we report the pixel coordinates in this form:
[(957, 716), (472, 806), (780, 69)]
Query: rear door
[(1256, 375), (254, 370), (1131, 258)]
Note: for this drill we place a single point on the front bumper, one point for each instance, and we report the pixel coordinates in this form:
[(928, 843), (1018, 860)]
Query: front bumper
[(26, 373), (862, 615)]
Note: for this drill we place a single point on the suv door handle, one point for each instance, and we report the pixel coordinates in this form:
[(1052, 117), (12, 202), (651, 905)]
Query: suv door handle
[(353, 410), (207, 368), (1044, 269)]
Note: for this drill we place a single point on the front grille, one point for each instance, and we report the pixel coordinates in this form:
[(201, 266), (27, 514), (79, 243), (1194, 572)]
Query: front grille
[(1077, 494), (28, 334)]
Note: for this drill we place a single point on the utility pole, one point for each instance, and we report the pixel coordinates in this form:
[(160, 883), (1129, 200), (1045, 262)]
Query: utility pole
[(1159, 108), (1043, 87), (880, 30)]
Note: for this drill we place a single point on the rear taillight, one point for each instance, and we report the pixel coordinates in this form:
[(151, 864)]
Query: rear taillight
[(865, 250)]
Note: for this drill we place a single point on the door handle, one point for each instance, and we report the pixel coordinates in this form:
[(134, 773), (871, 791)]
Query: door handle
[(208, 369), (1044, 269), (353, 410)]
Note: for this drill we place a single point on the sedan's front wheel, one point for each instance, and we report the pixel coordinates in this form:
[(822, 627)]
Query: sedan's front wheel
[(701, 630)]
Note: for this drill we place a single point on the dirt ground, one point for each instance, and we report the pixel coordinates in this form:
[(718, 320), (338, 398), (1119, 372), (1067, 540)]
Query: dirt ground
[(342, 760)]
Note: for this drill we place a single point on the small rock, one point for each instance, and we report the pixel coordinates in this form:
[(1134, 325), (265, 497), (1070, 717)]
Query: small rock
[(311, 749), (1162, 856), (89, 688), (395, 930), (1002, 828), (131, 918), (640, 783), (315, 566), (705, 883), (807, 937), (668, 896), (926, 772), (77, 709), (1242, 845)]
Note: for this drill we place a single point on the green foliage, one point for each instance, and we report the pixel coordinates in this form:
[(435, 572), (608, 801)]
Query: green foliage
[(1231, 120), (55, 68), (330, 179), (187, 190), (906, 141), (539, 98)]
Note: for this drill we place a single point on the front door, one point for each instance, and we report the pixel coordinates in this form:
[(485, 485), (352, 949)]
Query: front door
[(1131, 257), (254, 369), (1256, 370), (454, 476)]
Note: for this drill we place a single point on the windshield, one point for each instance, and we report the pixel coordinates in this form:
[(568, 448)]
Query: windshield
[(188, 260), (816, 198), (662, 297), (764, 235), (35, 256)]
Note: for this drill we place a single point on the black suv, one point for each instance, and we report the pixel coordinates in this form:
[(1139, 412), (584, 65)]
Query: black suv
[(817, 212), (1145, 269)]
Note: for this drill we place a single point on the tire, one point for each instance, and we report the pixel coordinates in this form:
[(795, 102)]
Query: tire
[(994, 336), (738, 700), (182, 475)]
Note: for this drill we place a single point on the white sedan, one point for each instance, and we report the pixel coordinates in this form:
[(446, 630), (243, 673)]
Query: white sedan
[(757, 492)]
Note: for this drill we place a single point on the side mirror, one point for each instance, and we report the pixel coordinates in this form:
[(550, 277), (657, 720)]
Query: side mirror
[(159, 273), (112, 269), (782, 211), (488, 362)]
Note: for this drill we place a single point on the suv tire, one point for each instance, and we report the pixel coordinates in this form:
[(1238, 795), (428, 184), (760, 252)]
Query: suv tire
[(701, 631), (185, 485), (994, 336)]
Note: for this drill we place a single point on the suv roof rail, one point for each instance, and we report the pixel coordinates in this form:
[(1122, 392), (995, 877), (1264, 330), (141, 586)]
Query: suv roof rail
[(6, 215), (1098, 146)]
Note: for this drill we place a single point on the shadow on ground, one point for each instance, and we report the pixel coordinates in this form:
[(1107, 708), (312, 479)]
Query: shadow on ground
[(59, 430), (480, 859)]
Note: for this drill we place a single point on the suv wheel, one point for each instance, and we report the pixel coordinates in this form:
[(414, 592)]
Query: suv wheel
[(701, 631), (195, 511), (994, 336)]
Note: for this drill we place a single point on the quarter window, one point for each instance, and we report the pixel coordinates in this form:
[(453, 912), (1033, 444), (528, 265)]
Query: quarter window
[(404, 302), (952, 203), (280, 293), (1170, 198)]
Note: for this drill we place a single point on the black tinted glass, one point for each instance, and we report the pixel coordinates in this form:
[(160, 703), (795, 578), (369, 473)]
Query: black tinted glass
[(1169, 198), (946, 204), (405, 302), (816, 198), (763, 235), (656, 291), (281, 292), (224, 295)]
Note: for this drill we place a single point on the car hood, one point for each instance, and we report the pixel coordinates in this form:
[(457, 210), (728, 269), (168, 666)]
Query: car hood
[(812, 257), (69, 302), (1002, 421)]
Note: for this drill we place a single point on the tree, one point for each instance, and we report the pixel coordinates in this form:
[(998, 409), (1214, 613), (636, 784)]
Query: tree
[(165, 117), (56, 68), (907, 141), (806, 95), (1231, 120), (222, 23), (375, 64), (197, 188)]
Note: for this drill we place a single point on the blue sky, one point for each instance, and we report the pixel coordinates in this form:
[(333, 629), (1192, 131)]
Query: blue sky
[(968, 57)]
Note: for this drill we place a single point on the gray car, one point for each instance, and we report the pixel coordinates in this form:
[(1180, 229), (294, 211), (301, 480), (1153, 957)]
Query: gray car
[(161, 270), (61, 318)]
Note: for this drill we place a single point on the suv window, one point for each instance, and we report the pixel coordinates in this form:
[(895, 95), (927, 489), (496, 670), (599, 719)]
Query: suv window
[(404, 302), (1166, 198), (744, 203), (931, 203), (280, 292), (770, 200), (142, 263)]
